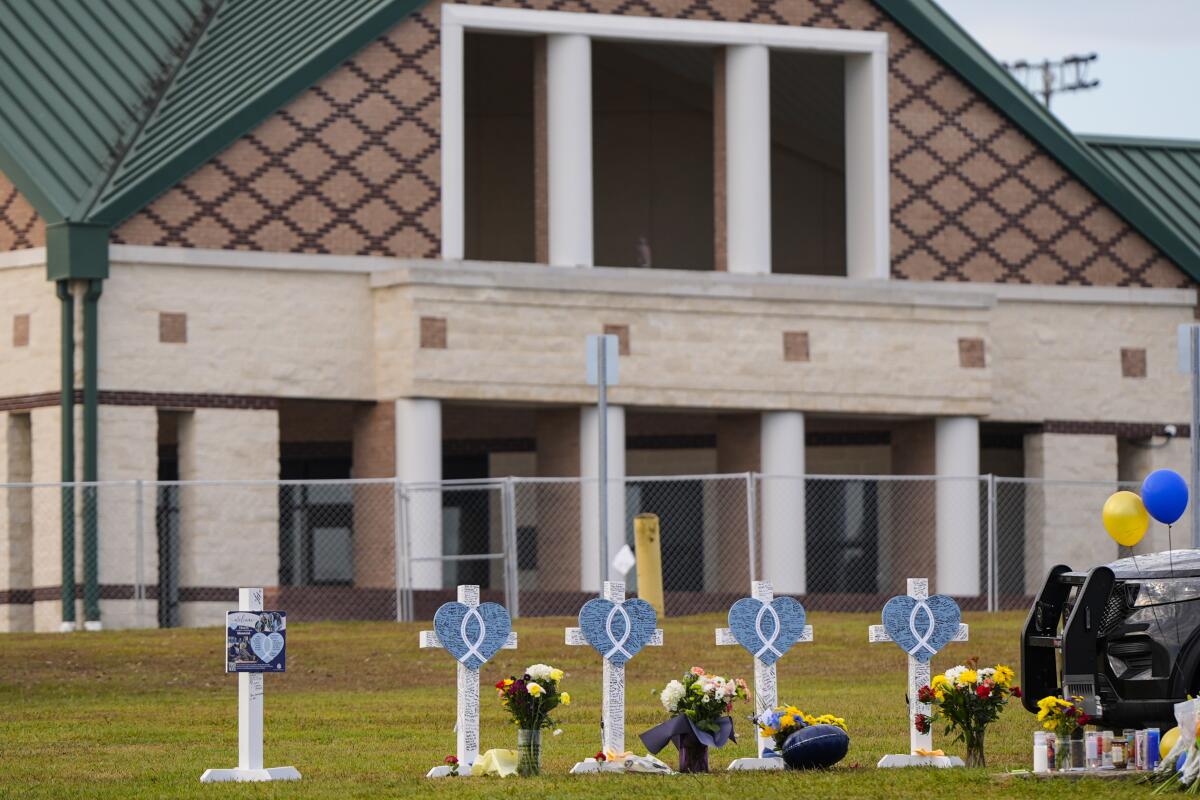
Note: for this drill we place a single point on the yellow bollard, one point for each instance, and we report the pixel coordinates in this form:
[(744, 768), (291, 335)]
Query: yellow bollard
[(649, 561)]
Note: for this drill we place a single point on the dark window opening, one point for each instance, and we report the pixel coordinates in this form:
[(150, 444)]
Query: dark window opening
[(652, 141), (499, 147), (316, 521), (808, 155)]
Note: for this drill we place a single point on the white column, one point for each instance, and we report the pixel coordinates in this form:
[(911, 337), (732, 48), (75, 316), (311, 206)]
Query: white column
[(956, 462), (569, 148), (419, 461), (748, 158), (867, 173), (589, 503), (783, 524)]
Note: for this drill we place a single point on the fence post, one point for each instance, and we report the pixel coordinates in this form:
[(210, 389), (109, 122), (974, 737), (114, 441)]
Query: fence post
[(397, 548), (139, 567), (512, 597), (752, 525), (993, 601)]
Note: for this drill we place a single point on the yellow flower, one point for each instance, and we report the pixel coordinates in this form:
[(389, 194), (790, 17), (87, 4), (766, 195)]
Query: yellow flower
[(565, 697), (768, 731), (939, 680), (787, 721), (535, 689), (939, 695), (968, 676), (795, 712), (508, 681), (1004, 675), (556, 675)]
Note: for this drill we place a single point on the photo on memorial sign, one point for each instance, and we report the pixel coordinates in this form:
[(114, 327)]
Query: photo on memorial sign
[(255, 641)]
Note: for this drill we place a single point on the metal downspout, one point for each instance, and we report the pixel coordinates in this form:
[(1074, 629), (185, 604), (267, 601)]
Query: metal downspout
[(67, 432), (91, 583)]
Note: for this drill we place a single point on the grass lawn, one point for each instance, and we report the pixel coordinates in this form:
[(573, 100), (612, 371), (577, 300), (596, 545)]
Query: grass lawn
[(363, 712)]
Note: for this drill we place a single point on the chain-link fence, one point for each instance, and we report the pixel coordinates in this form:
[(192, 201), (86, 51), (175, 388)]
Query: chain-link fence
[(172, 553)]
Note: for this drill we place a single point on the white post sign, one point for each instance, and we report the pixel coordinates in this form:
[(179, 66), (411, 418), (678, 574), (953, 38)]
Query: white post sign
[(916, 631), (769, 641), (474, 651), (250, 718), (619, 640)]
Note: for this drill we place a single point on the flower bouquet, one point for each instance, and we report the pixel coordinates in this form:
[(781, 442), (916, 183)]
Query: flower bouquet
[(529, 699), (1066, 718), (700, 705), (968, 698)]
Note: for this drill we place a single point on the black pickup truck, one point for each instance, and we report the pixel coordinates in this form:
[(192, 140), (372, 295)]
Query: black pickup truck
[(1124, 636)]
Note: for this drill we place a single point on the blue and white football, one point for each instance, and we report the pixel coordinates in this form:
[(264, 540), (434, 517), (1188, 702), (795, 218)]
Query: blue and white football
[(816, 747)]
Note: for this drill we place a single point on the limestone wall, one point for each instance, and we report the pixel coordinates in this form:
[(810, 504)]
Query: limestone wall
[(1062, 360), (128, 450), (265, 332), (1062, 516), (710, 341), (229, 534), (28, 364)]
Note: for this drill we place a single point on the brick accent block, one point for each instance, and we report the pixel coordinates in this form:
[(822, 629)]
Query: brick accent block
[(172, 327), (622, 334), (20, 330), (1133, 362), (971, 354), (795, 346), (433, 333)]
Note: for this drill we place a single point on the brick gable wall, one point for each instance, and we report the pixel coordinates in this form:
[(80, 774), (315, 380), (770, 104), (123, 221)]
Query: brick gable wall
[(20, 226), (352, 166)]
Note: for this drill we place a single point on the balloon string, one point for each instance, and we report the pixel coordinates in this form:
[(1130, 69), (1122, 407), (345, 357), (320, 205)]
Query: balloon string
[(1171, 571)]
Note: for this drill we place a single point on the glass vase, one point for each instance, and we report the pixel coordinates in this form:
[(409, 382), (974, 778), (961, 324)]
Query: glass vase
[(974, 741), (693, 756), (1070, 753), (529, 752)]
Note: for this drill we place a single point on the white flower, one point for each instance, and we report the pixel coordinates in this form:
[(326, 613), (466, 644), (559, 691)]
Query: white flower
[(539, 672), (671, 696), (987, 673), (953, 673)]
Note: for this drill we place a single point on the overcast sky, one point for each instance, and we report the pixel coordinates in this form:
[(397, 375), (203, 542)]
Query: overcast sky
[(1149, 66)]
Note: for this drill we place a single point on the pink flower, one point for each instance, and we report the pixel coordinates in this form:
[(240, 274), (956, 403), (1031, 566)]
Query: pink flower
[(697, 670)]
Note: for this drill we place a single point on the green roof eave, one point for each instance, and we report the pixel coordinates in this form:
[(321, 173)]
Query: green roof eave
[(935, 29), (13, 168), (117, 204)]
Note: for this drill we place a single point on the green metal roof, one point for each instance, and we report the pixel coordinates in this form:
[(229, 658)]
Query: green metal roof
[(1164, 173), (105, 104), (75, 77), (934, 28)]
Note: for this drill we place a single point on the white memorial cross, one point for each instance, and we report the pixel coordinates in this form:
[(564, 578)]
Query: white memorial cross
[(612, 702), (467, 721), (250, 721), (918, 676), (766, 691)]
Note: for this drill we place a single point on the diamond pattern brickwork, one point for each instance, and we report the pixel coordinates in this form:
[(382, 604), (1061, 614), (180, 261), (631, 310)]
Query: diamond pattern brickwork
[(351, 167), (20, 226)]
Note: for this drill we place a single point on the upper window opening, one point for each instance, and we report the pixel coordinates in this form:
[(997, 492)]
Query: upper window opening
[(808, 157), (652, 155)]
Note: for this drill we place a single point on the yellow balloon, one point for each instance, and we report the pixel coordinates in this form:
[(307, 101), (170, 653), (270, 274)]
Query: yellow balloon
[(1126, 518), (1167, 741)]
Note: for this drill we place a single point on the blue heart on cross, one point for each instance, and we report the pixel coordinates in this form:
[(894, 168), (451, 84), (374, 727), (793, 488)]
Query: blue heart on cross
[(266, 647), (472, 635), (921, 627), (767, 630), (617, 630)]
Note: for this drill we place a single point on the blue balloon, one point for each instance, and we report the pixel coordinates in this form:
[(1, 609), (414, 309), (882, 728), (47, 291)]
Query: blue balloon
[(1165, 495)]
